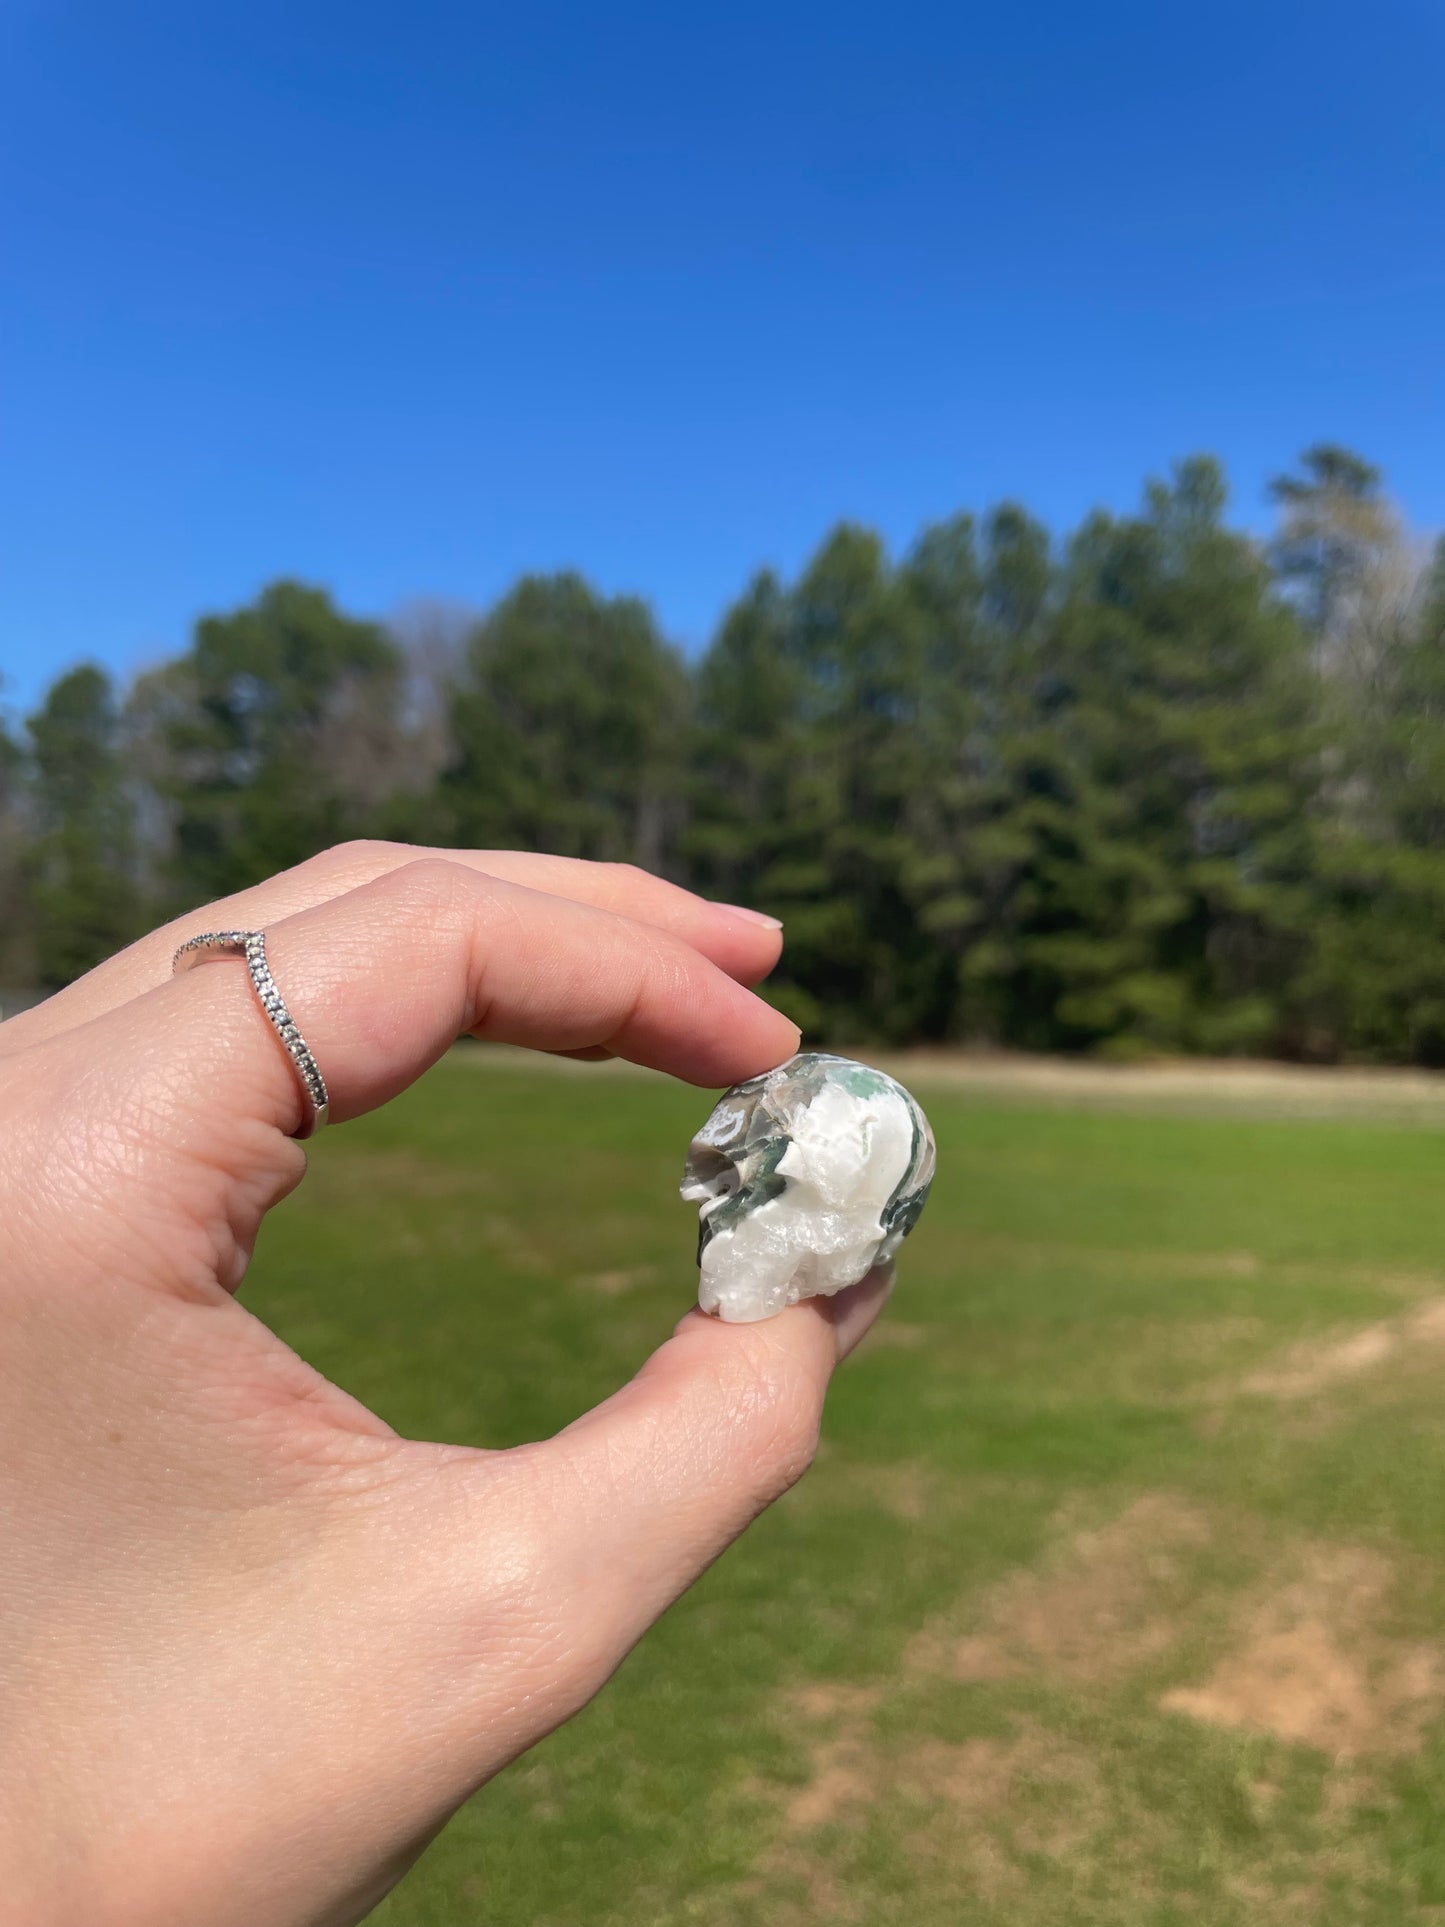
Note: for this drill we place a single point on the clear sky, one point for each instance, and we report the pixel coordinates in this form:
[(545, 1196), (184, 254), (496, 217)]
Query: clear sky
[(407, 299)]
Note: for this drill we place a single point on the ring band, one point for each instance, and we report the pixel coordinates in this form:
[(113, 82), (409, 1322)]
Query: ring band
[(251, 944)]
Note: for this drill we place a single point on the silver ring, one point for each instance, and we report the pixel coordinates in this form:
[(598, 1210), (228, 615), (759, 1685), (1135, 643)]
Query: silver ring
[(251, 944)]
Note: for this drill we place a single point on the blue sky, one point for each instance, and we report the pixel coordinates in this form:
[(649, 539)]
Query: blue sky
[(409, 299)]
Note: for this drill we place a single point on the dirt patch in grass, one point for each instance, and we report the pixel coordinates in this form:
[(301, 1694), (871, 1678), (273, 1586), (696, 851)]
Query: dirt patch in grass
[(851, 1767), (1043, 1786), (834, 1699), (910, 1489), (839, 1780), (835, 1718), (906, 1490), (1313, 1661), (979, 1811), (1312, 1658), (1314, 1666), (913, 1490), (971, 1814), (1318, 1366), (615, 1284), (1107, 1601), (801, 1889)]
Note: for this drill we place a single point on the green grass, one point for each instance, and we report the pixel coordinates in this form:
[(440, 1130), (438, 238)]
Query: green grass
[(931, 1686)]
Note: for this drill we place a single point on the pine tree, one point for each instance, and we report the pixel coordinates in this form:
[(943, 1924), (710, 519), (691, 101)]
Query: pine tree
[(568, 719), (17, 957), (1165, 785), (1378, 972), (277, 734), (82, 864)]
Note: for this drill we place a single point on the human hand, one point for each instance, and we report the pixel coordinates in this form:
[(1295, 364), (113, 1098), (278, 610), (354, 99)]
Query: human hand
[(254, 1647)]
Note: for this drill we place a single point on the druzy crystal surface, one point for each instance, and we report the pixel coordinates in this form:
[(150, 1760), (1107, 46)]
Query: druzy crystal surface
[(805, 1179)]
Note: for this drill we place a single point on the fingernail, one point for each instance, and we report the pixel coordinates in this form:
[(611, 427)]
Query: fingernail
[(855, 1309), (753, 916)]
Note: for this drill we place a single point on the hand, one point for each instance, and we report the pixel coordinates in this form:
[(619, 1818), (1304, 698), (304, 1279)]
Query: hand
[(254, 1647)]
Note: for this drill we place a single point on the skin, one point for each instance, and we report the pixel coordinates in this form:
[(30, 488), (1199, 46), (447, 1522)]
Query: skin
[(254, 1647)]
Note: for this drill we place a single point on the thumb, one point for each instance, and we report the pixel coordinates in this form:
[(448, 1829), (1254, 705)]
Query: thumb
[(646, 1490)]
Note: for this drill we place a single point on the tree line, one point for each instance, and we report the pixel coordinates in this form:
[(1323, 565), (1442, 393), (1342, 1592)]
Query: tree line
[(1159, 787)]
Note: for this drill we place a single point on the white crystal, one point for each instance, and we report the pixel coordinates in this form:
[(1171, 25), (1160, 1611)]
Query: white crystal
[(806, 1178)]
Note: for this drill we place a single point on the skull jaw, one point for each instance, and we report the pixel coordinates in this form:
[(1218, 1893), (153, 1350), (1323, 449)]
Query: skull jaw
[(774, 1258)]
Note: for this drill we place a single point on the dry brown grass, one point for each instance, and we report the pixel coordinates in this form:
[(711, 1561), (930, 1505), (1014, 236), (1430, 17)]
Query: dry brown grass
[(1314, 1663), (1319, 1365), (1105, 1601)]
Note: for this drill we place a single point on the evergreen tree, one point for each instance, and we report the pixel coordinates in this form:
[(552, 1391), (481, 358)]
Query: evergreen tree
[(568, 720), (1160, 789), (748, 738), (810, 702), (1378, 968), (278, 733), (17, 961), (83, 895), (991, 701), (1172, 889), (1162, 764)]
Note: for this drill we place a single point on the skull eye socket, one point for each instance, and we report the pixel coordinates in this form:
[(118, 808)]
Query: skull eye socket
[(713, 1175)]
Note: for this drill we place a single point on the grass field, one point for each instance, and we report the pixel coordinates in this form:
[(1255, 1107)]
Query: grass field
[(1117, 1594)]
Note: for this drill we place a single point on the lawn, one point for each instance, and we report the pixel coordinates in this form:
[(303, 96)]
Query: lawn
[(1117, 1594)]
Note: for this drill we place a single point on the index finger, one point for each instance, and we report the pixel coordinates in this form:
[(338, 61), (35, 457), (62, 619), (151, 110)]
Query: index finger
[(382, 980), (744, 943)]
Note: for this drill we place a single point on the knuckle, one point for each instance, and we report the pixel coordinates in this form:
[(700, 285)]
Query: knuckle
[(436, 881), (359, 853), (357, 860), (660, 971), (671, 963)]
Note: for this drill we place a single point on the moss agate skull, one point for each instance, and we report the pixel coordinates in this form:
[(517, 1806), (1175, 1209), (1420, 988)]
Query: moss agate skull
[(805, 1179)]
